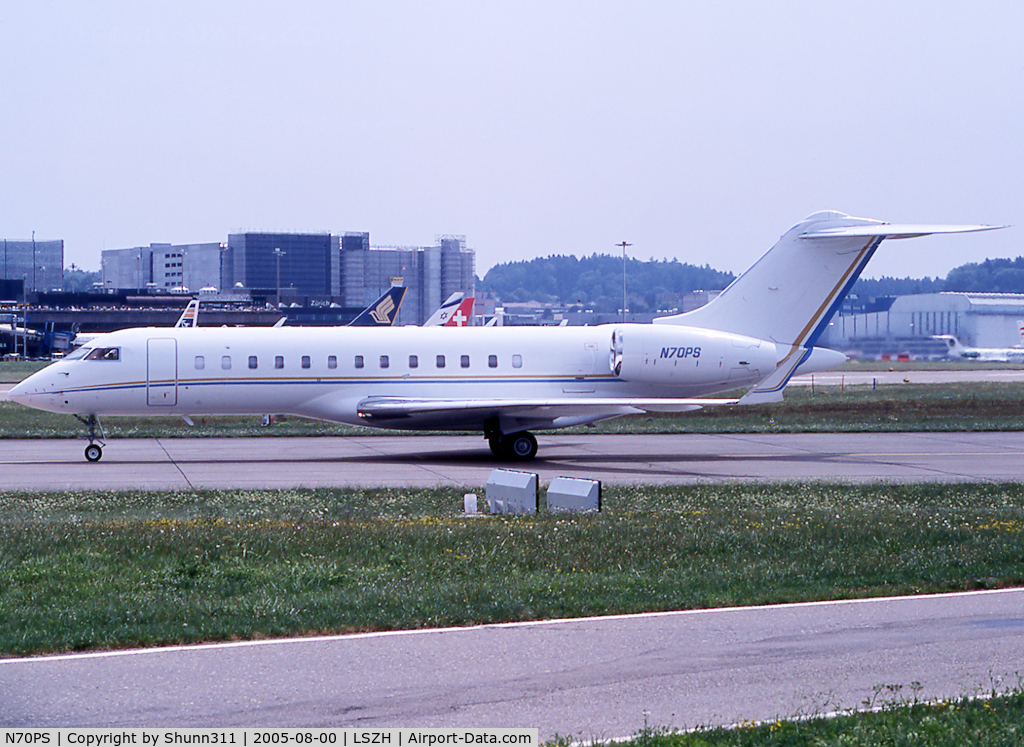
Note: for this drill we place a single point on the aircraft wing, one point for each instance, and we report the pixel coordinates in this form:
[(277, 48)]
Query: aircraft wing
[(379, 409)]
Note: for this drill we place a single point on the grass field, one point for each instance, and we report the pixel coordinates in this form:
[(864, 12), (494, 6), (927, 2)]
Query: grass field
[(994, 720), (106, 570)]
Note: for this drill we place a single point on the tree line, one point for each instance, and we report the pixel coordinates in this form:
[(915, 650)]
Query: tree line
[(595, 282)]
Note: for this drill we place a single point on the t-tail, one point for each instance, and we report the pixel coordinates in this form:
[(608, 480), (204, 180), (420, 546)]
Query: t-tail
[(383, 311), (791, 293)]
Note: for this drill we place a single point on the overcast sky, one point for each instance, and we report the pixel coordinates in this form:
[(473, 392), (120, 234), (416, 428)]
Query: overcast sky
[(696, 130)]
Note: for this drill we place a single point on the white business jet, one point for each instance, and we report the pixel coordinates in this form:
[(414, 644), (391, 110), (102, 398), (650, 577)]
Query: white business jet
[(503, 381), (958, 351)]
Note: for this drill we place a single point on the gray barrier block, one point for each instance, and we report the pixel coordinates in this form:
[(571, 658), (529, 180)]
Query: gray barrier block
[(566, 494), (511, 492)]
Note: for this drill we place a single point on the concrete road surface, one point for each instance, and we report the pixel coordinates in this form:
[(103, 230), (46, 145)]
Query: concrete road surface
[(589, 677), (465, 461)]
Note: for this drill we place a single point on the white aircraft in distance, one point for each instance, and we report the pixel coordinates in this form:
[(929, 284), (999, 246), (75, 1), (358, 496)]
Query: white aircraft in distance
[(457, 311), (189, 318), (956, 350), (504, 381)]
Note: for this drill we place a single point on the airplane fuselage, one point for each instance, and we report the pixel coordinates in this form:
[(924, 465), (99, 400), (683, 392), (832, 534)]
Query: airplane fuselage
[(325, 373)]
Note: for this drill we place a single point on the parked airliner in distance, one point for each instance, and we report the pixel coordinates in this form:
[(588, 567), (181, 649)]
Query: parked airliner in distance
[(457, 311), (503, 381), (958, 351)]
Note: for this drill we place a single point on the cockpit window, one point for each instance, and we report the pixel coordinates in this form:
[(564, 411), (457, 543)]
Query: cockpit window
[(104, 354), (74, 355)]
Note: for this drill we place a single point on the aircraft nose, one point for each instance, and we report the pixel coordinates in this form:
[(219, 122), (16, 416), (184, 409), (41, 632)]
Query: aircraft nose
[(17, 393), (31, 391)]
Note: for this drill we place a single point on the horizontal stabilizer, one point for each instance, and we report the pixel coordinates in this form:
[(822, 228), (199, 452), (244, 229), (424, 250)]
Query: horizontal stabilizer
[(891, 231)]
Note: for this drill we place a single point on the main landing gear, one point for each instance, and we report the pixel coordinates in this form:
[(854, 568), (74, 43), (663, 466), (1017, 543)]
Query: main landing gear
[(521, 446), (94, 451)]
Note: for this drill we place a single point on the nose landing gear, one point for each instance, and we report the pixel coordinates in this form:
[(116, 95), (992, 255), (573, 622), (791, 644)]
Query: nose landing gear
[(94, 451)]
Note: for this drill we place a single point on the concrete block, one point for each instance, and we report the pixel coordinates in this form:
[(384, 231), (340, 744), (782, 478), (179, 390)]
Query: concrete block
[(512, 492), (566, 494)]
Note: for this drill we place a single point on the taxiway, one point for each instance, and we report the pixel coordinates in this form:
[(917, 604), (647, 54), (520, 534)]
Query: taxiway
[(465, 461), (595, 677)]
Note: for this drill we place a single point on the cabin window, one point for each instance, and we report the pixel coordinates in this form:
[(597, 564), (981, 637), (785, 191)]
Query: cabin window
[(414, 361), (225, 362), (305, 361), (104, 354), (440, 361), (200, 363), (253, 361), (384, 362), (278, 361), (464, 361), (517, 361), (492, 361), (359, 361), (332, 361)]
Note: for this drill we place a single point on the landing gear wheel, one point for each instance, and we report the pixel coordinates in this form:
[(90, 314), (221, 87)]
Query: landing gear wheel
[(495, 444), (520, 446), (93, 452)]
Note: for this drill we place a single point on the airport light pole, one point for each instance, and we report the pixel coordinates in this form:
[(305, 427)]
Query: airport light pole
[(278, 252), (623, 244)]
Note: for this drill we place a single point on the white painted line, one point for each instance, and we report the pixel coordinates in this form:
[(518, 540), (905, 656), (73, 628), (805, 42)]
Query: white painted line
[(492, 626)]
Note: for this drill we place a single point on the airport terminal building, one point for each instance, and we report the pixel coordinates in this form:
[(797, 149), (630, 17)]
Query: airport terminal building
[(301, 268), (39, 264)]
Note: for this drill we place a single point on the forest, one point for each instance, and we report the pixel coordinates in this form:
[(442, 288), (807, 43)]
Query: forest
[(595, 282)]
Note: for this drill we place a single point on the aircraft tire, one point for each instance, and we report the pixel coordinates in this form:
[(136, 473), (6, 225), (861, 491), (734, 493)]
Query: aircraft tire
[(93, 453), (495, 444), (521, 446)]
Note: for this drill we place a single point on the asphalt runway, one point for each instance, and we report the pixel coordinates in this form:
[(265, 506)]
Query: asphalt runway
[(595, 677), (466, 462)]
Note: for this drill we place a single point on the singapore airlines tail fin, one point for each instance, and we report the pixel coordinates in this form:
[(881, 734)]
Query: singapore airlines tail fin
[(791, 293), (190, 316), (383, 311)]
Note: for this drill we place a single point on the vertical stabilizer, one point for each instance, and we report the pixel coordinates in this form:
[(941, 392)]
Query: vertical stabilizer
[(790, 294)]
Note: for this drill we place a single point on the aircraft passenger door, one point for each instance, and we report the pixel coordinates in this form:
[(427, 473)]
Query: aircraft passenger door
[(162, 372)]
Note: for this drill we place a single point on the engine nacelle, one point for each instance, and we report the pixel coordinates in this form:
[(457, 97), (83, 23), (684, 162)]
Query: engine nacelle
[(668, 354)]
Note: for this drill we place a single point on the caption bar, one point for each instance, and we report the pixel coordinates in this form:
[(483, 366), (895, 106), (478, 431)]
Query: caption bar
[(269, 737)]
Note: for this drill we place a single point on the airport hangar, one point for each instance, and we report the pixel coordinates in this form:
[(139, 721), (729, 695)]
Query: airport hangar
[(905, 325)]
